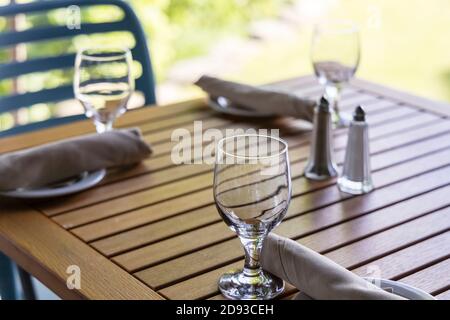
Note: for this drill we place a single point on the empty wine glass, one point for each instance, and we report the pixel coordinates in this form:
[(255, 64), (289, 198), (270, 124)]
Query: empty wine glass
[(103, 83), (335, 54), (252, 191)]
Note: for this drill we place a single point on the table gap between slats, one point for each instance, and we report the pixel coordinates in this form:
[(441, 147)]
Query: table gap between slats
[(444, 295)]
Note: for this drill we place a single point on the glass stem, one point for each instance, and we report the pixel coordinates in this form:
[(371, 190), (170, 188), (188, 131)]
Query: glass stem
[(252, 247), (102, 127), (333, 94)]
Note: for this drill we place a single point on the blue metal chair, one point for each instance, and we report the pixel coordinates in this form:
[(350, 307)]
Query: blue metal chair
[(145, 83), (7, 284), (129, 23)]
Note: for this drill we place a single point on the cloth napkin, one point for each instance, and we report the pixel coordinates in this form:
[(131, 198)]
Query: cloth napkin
[(315, 275), (53, 162), (259, 99)]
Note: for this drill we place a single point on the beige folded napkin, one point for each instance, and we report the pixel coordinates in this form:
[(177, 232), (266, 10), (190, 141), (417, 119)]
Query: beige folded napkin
[(53, 162), (259, 99), (314, 275)]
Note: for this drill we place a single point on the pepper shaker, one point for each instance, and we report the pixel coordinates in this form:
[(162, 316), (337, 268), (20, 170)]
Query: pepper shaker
[(356, 177), (320, 163)]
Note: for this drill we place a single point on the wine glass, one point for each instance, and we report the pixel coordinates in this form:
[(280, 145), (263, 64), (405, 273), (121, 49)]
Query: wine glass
[(252, 191), (103, 83), (335, 55)]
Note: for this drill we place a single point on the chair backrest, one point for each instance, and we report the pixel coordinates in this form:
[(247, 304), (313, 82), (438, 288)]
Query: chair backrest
[(129, 22)]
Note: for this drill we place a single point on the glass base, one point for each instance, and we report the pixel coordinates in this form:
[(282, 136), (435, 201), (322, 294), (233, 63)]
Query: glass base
[(354, 187), (326, 174), (238, 286), (103, 127)]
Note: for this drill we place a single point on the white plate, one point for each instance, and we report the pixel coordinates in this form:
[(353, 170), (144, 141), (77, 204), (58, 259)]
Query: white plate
[(401, 289), (84, 181), (224, 105)]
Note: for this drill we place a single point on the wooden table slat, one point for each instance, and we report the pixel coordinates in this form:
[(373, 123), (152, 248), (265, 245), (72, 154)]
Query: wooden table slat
[(359, 253), (410, 259), (444, 295), (431, 279), (436, 107)]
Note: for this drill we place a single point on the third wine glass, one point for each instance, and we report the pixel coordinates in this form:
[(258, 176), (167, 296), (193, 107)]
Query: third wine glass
[(335, 54), (103, 83)]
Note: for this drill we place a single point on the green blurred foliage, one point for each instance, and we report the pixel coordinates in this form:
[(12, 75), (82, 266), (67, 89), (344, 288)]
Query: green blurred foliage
[(177, 29), (180, 29)]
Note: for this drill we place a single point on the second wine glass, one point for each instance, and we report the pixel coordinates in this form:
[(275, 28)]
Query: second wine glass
[(335, 55), (103, 83)]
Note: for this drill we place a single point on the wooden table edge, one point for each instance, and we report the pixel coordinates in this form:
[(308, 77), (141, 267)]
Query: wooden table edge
[(39, 246)]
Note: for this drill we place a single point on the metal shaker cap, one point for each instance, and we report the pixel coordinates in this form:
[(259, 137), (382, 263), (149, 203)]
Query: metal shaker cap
[(324, 104), (359, 114)]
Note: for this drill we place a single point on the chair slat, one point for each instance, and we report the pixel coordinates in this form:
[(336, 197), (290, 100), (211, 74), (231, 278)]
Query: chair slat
[(129, 23), (15, 69), (39, 6), (46, 33), (22, 100)]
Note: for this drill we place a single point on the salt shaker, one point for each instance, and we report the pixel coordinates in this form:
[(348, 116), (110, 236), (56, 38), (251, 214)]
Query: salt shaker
[(320, 163), (356, 178)]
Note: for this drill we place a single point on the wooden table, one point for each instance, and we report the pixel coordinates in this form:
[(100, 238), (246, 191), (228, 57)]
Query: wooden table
[(152, 232)]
